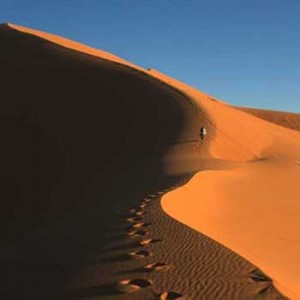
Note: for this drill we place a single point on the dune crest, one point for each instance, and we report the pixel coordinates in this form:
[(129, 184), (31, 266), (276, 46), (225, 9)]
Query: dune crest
[(64, 42), (214, 201), (250, 206), (237, 135), (87, 135)]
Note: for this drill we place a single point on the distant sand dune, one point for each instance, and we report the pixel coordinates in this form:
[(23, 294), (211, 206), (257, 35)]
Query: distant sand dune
[(286, 119)]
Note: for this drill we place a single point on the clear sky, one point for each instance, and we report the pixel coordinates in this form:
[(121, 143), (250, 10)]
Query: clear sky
[(245, 52)]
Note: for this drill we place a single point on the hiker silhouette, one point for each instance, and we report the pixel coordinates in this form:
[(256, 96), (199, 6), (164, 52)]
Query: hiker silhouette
[(202, 133)]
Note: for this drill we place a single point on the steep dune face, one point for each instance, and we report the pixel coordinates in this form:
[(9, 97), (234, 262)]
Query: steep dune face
[(82, 129), (73, 127), (69, 44), (53, 113)]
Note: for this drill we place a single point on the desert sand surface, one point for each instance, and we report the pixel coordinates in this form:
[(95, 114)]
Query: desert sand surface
[(252, 207), (286, 119), (91, 145)]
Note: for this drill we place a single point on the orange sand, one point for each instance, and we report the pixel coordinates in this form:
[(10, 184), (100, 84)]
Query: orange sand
[(253, 210), (71, 44), (286, 119), (246, 195), (251, 206)]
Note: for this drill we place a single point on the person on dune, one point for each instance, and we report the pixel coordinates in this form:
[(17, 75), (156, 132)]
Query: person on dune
[(202, 133)]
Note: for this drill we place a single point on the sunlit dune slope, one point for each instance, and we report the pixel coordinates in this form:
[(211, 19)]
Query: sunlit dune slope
[(246, 196), (235, 135), (76, 123), (286, 119), (70, 44)]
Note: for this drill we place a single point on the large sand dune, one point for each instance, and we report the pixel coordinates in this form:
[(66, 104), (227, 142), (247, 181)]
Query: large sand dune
[(87, 135), (252, 208), (266, 183), (70, 122)]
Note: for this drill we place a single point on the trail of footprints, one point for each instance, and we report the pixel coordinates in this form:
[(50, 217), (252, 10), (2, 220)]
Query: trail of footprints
[(138, 228)]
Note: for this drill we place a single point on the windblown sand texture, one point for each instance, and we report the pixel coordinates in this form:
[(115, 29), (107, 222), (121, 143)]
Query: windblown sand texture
[(91, 147)]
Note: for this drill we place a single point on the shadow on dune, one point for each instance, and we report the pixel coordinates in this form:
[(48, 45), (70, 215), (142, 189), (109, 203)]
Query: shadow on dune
[(133, 271), (115, 258), (74, 128), (102, 290), (78, 134), (127, 246), (38, 267)]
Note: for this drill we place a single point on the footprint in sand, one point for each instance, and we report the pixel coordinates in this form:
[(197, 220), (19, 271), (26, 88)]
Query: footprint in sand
[(132, 285), (149, 241), (138, 233), (152, 196), (140, 254), (265, 289), (134, 219), (141, 225), (156, 267), (170, 296), (143, 205), (140, 213), (259, 276)]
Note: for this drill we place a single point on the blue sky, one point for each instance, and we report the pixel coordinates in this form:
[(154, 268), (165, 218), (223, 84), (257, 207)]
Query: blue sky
[(245, 52)]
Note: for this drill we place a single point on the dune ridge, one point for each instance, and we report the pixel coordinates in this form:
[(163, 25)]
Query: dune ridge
[(222, 119), (245, 138), (253, 140), (199, 269), (70, 44), (71, 237)]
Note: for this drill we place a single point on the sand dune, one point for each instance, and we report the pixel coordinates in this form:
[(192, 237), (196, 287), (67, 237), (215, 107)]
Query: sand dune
[(74, 116), (253, 210), (69, 44), (90, 144), (286, 119), (266, 183), (253, 138)]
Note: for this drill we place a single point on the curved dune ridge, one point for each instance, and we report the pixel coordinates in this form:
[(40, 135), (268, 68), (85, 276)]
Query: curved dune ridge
[(75, 118), (71, 44), (251, 207), (86, 135)]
